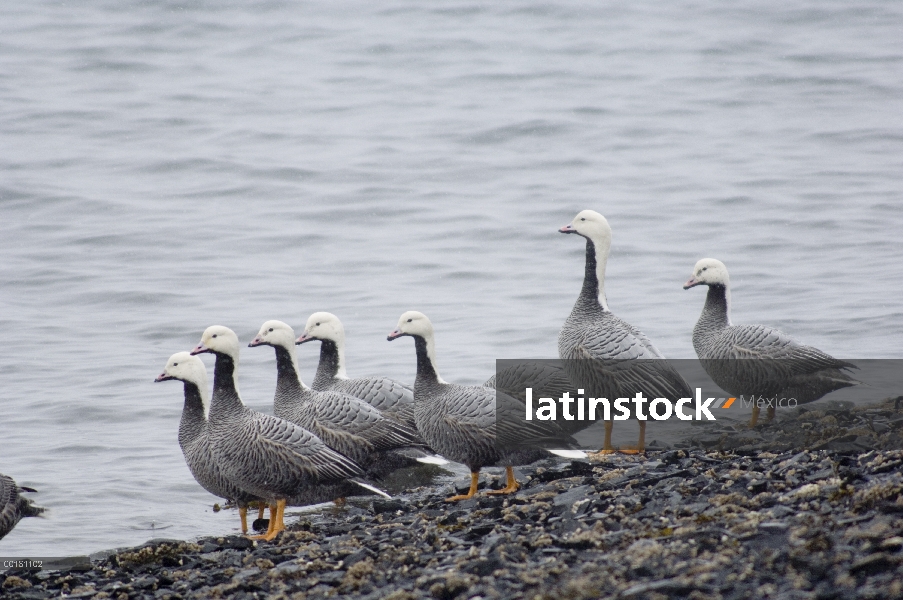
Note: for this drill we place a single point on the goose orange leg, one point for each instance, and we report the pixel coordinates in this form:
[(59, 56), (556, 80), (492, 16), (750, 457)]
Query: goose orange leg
[(274, 511), (474, 481), (512, 485), (606, 445), (641, 444), (243, 515), (280, 521), (755, 416)]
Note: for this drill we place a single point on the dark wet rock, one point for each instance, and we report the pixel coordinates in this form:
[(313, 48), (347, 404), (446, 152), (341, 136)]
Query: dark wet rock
[(871, 565), (789, 521), (389, 506)]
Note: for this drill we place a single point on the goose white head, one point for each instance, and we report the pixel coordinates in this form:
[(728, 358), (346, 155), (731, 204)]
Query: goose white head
[(413, 323), (708, 271), (279, 335), (594, 227), (274, 333), (182, 366), (416, 324), (218, 340), (323, 326)]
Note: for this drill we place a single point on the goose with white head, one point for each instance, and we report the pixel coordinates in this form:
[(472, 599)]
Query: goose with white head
[(393, 399), (755, 360), (13, 505), (345, 423), (262, 454), (458, 421), (194, 439), (602, 353), (194, 435)]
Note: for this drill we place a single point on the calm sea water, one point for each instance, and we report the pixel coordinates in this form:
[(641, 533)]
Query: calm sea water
[(165, 166)]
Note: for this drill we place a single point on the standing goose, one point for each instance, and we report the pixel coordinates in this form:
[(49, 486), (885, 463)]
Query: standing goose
[(754, 360), (13, 506), (592, 334), (459, 421), (264, 455), (194, 439), (392, 398), (343, 422), (194, 434)]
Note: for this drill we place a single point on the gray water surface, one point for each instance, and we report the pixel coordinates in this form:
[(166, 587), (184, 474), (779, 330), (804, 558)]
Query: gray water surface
[(166, 166)]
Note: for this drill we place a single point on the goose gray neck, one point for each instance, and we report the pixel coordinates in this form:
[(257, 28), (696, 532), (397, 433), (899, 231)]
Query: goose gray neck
[(226, 400), (427, 376), (193, 415), (331, 365), (593, 291), (716, 316), (289, 387)]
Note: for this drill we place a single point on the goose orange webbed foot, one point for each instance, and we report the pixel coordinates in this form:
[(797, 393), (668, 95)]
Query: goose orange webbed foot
[(512, 484), (277, 526), (474, 481), (603, 452)]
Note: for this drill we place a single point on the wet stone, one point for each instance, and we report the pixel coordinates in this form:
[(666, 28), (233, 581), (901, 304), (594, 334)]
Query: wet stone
[(389, 506)]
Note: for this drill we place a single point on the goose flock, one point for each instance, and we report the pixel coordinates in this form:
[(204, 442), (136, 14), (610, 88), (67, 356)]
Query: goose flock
[(341, 434)]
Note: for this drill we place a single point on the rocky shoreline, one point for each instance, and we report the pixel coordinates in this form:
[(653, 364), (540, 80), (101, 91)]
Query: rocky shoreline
[(700, 522)]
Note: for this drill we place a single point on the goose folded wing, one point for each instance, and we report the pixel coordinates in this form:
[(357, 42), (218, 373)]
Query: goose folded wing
[(513, 430), (385, 394), (469, 415), (346, 413), (757, 342), (654, 378), (294, 447), (614, 339)]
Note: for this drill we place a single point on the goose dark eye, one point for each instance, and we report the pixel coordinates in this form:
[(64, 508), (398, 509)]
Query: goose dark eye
[(705, 268), (583, 219), (409, 320), (318, 324), (271, 329), (214, 336), (175, 364)]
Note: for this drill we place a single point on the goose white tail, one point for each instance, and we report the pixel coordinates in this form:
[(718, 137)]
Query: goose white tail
[(373, 489), (569, 453), (432, 460)]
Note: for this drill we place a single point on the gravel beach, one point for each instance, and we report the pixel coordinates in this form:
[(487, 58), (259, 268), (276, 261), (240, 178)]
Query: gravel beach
[(815, 515)]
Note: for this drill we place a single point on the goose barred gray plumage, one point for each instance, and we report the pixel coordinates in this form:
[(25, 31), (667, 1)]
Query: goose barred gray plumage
[(196, 448), (393, 399), (262, 454), (604, 354), (546, 378), (754, 360), (194, 435), (458, 421), (345, 423), (13, 506)]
